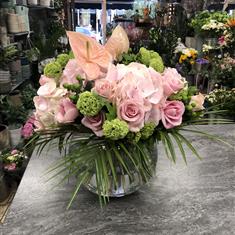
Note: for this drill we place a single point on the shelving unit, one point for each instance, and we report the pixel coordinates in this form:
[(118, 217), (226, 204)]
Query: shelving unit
[(20, 33)]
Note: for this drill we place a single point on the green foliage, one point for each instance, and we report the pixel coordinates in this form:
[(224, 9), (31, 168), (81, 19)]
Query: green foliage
[(53, 70), (128, 57), (164, 41), (71, 55), (133, 137), (115, 129), (88, 104), (27, 95)]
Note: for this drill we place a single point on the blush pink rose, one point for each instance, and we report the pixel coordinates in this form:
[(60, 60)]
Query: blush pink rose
[(43, 80), (133, 113), (41, 103), (43, 120), (198, 100), (48, 86), (95, 123), (104, 88), (172, 112), (66, 112), (172, 81)]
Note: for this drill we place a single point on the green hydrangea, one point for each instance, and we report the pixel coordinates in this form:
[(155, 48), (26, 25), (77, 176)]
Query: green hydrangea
[(157, 64), (88, 104), (62, 59), (147, 130), (53, 70), (144, 56), (151, 58), (134, 137), (154, 54), (115, 129)]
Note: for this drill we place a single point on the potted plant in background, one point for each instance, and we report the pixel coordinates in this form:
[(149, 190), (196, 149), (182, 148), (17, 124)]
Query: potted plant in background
[(14, 164)]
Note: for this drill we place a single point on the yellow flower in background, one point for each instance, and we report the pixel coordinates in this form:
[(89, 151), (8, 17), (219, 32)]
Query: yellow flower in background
[(192, 61), (182, 58), (231, 22), (193, 53)]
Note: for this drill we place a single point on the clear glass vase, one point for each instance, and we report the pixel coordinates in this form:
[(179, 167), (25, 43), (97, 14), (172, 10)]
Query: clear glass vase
[(126, 183)]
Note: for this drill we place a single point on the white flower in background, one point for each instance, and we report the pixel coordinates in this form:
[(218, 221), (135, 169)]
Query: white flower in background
[(206, 48)]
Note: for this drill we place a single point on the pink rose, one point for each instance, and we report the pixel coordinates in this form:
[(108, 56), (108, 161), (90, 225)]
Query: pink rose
[(48, 86), (41, 103), (133, 113), (66, 112), (95, 123), (172, 81), (44, 120), (14, 151), (27, 130), (10, 166), (198, 100), (104, 88), (172, 112)]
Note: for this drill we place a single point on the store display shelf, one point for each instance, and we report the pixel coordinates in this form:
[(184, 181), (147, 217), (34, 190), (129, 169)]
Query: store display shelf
[(19, 84), (20, 33), (11, 44), (38, 7)]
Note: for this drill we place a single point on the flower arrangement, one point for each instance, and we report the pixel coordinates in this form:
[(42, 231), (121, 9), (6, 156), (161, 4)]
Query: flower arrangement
[(107, 116), (12, 160)]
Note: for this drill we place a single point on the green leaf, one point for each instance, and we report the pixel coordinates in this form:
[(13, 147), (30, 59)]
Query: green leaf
[(190, 146), (179, 143), (209, 136), (80, 180)]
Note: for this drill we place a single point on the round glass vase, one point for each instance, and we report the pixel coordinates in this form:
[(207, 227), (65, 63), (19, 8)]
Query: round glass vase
[(125, 183)]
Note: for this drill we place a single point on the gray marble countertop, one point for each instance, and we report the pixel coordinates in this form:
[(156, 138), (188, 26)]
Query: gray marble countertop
[(195, 199)]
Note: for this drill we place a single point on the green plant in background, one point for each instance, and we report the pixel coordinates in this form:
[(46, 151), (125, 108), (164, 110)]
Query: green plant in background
[(27, 96), (10, 114), (164, 42), (7, 55), (33, 54), (204, 18)]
